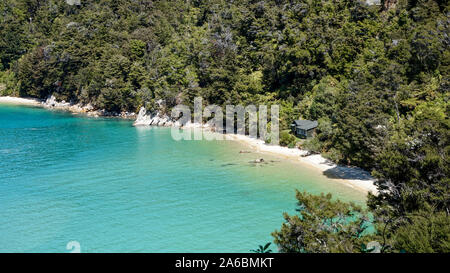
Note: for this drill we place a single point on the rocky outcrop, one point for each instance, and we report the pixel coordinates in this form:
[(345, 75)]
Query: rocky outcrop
[(52, 103), (152, 119), (144, 118)]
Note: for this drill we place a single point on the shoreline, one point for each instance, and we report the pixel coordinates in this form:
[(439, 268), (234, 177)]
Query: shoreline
[(20, 101), (351, 176), (75, 109)]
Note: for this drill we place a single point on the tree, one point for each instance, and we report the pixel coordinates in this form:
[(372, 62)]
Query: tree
[(323, 225), (426, 231), (413, 206), (413, 170)]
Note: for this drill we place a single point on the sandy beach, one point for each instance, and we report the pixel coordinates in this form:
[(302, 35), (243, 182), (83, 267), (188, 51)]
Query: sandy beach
[(20, 101), (52, 104), (351, 176)]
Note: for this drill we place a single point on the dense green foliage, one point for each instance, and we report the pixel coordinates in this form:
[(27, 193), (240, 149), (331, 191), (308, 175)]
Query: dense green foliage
[(323, 226), (376, 78), (411, 212), (287, 139), (413, 206), (422, 232)]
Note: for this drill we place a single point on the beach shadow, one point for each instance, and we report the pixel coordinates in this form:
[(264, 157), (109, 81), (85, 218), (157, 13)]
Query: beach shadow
[(348, 173)]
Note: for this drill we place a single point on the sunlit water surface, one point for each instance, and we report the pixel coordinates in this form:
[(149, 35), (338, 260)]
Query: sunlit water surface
[(116, 188)]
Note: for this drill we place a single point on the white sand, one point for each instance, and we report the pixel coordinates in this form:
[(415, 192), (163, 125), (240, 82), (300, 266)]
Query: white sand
[(20, 101), (351, 176)]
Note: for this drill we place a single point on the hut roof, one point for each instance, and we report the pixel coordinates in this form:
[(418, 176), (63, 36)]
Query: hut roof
[(305, 124)]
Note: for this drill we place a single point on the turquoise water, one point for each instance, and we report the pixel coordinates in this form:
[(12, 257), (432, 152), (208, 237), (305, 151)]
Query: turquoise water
[(116, 188)]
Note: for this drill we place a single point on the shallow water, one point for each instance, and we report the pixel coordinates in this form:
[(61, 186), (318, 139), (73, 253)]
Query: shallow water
[(116, 188)]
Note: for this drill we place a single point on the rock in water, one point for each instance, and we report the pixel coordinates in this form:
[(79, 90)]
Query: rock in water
[(260, 160), (143, 119), (157, 119), (51, 101)]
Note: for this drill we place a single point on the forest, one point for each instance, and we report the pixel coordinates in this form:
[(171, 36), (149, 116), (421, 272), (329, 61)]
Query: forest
[(374, 76)]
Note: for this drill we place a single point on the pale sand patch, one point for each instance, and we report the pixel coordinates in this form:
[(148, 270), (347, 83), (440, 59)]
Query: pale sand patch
[(20, 101), (351, 176)]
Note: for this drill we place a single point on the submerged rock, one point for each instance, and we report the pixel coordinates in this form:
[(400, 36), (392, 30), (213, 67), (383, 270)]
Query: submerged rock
[(260, 160)]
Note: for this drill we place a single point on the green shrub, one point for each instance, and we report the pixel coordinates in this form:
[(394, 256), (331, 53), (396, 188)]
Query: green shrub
[(313, 145), (426, 232), (8, 84), (287, 139)]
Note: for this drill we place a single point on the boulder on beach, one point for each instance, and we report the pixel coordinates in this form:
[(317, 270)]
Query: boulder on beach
[(51, 102)]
